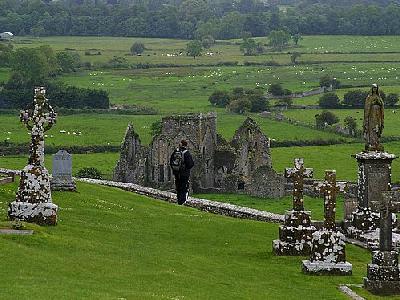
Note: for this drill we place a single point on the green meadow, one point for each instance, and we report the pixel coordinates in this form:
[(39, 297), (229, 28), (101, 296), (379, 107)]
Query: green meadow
[(111, 244)]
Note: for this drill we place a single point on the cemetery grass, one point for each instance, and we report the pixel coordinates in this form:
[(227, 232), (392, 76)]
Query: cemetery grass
[(278, 206), (115, 244)]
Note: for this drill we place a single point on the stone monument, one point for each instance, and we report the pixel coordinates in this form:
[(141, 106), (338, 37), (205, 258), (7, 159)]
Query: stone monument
[(328, 255), (296, 234), (383, 274), (62, 172), (374, 168), (33, 202)]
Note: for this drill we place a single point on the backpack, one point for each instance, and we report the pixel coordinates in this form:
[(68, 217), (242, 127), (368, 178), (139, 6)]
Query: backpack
[(178, 160)]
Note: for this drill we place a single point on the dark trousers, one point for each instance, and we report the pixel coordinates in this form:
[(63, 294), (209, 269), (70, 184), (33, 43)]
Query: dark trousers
[(182, 188)]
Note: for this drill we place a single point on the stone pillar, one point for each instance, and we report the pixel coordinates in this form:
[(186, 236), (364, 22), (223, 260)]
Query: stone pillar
[(296, 234), (33, 202), (328, 255), (383, 274), (374, 177)]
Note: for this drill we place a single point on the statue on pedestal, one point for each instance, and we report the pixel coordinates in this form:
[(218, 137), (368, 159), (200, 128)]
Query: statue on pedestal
[(373, 120)]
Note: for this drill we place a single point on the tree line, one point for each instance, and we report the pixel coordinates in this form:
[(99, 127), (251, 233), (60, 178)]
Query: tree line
[(40, 66), (194, 19)]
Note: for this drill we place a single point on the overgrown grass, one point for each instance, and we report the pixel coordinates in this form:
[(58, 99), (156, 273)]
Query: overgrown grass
[(112, 244)]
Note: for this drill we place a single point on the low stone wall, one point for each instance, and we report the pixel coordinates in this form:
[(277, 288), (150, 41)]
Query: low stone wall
[(201, 204)]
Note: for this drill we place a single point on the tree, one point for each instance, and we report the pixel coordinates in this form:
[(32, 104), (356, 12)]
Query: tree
[(294, 56), (351, 124), (258, 103), (296, 38), (5, 54), (279, 39), (207, 41), (328, 80), (219, 98), (194, 48), (68, 61), (329, 100), (248, 46), (391, 100), (276, 89), (240, 105), (325, 118), (137, 48), (355, 98)]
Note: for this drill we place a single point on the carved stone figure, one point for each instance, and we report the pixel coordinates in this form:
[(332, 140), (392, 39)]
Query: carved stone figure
[(373, 120)]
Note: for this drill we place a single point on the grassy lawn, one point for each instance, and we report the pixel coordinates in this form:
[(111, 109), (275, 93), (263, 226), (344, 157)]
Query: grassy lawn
[(279, 206), (111, 244)]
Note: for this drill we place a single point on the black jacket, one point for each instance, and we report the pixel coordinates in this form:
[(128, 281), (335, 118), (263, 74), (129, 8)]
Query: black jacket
[(188, 161)]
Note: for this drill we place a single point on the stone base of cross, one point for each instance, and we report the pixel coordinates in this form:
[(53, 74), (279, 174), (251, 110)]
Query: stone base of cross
[(33, 201), (383, 274), (328, 255), (295, 236)]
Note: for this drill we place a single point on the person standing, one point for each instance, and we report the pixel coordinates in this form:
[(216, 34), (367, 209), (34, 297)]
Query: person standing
[(181, 163)]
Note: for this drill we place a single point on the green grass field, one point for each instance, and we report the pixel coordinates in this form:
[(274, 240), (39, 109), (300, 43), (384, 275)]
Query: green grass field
[(392, 118), (104, 129), (111, 244)]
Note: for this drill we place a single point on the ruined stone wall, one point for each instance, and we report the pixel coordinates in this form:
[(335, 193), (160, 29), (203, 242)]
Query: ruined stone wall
[(131, 167), (241, 165)]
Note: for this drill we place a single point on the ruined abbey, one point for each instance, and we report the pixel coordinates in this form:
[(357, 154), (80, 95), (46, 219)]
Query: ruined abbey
[(241, 165)]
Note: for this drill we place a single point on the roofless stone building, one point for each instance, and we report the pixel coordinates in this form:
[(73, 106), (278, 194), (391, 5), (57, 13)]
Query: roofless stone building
[(243, 164)]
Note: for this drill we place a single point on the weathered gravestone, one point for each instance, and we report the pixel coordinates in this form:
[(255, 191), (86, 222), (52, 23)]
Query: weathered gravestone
[(296, 233), (328, 255), (383, 274), (62, 172), (33, 202), (374, 169)]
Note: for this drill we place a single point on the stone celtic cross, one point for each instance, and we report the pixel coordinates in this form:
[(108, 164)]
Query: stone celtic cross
[(38, 118), (329, 188), (390, 204), (298, 173)]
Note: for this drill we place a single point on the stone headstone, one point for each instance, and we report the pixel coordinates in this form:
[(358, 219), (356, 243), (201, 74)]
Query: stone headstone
[(62, 172)]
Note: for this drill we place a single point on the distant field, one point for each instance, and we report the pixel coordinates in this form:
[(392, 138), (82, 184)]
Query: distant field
[(102, 129), (188, 89), (392, 117)]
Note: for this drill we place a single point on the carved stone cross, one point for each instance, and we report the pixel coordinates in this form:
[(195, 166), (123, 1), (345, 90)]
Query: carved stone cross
[(298, 173), (38, 118), (329, 188)]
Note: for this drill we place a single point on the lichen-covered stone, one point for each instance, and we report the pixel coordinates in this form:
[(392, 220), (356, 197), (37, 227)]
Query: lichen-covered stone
[(33, 202), (296, 234)]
